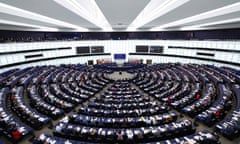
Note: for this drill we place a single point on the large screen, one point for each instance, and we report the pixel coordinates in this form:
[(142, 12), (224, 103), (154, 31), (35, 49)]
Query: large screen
[(156, 49), (97, 49), (83, 50), (90, 62), (141, 48), (119, 56)]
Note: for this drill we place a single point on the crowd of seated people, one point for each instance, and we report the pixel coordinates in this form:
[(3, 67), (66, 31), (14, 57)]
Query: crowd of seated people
[(207, 93), (219, 109), (205, 101), (142, 134), (52, 99), (55, 89), (138, 110), (13, 78), (230, 127), (42, 106), (26, 113), (46, 99), (75, 91), (122, 114), (204, 137), (230, 72), (32, 38), (187, 99), (122, 106), (10, 125), (115, 122)]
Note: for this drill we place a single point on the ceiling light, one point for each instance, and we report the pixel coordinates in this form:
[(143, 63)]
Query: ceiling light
[(153, 10), (88, 10), (209, 14), (38, 27), (47, 29), (201, 26), (189, 28), (4, 8), (131, 29), (107, 29)]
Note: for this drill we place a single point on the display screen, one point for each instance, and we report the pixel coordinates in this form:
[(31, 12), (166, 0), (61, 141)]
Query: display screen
[(83, 50), (149, 61), (119, 56), (90, 62), (156, 49), (97, 49), (33, 56), (142, 49)]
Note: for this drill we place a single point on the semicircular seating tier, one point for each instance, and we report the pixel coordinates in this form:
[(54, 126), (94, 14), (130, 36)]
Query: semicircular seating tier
[(161, 103)]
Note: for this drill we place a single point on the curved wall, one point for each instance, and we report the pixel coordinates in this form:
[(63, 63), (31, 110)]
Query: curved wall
[(47, 53)]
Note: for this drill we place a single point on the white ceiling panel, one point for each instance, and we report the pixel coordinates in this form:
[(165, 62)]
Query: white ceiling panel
[(120, 13)]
